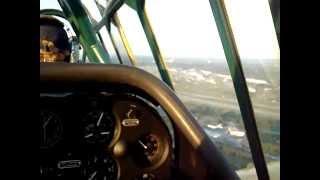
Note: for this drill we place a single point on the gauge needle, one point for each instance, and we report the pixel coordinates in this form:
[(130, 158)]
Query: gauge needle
[(44, 127), (105, 133), (93, 175), (89, 135), (144, 146), (100, 118), (46, 122)]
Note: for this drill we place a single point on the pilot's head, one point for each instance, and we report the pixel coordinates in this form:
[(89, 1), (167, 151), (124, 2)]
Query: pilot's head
[(54, 42)]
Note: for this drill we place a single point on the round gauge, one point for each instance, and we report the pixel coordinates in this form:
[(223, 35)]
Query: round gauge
[(98, 127), (150, 146), (148, 150), (50, 129), (100, 167)]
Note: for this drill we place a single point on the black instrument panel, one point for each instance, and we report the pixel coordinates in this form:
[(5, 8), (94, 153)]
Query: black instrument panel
[(102, 136)]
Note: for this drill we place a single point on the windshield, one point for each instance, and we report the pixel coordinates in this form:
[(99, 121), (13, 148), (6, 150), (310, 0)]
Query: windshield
[(189, 41)]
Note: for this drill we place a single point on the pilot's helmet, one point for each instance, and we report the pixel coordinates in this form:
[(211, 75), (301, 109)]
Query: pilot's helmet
[(54, 42)]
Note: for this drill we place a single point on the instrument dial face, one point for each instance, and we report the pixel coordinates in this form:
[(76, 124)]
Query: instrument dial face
[(98, 128), (150, 145), (100, 167), (50, 129), (148, 150)]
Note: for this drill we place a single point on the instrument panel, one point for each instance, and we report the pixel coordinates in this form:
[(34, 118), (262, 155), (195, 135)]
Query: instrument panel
[(102, 136)]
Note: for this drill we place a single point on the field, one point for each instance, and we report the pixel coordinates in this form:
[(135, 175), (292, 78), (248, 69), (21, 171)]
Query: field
[(206, 88)]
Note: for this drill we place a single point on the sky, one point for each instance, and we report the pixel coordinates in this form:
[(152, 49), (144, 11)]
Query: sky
[(186, 28)]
